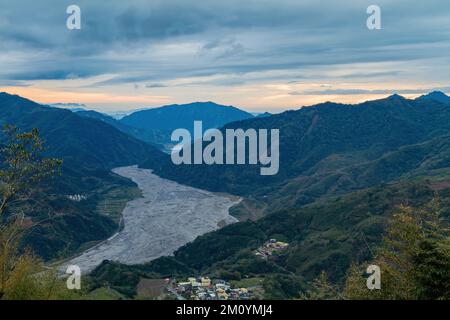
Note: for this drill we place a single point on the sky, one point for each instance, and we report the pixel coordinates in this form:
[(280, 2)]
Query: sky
[(259, 55)]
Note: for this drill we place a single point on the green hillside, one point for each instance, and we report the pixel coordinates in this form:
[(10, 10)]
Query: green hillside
[(343, 171), (89, 148), (79, 141), (325, 236), (152, 136), (331, 149), (169, 118)]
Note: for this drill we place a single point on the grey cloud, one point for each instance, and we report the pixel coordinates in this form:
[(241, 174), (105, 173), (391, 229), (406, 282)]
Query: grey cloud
[(155, 85), (221, 48), (12, 83), (235, 37), (368, 75)]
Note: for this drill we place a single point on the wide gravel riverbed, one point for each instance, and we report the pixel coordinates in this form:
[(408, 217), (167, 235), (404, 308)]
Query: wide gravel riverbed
[(168, 216)]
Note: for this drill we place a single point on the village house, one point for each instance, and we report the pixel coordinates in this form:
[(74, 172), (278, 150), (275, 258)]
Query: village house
[(203, 288), (270, 247)]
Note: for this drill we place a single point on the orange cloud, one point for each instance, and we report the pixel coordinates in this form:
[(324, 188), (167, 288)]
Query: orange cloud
[(51, 96)]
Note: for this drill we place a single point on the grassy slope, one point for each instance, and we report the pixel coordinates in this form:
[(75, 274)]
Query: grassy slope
[(327, 235)]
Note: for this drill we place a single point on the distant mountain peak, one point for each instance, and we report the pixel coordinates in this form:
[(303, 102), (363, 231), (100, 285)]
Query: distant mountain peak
[(199, 104), (79, 141), (4, 94), (69, 106), (396, 96), (17, 100), (438, 96), (171, 117), (262, 115)]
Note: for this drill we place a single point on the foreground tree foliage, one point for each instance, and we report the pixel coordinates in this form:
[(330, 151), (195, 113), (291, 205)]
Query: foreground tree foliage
[(22, 275), (321, 289), (414, 258)]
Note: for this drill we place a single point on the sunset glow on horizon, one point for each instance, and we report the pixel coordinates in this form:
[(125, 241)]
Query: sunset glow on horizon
[(148, 54)]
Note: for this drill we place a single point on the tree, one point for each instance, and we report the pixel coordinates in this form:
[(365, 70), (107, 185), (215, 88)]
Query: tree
[(414, 258), (22, 169), (321, 289), (432, 268)]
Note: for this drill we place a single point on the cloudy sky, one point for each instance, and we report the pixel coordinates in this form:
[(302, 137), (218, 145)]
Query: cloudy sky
[(261, 55)]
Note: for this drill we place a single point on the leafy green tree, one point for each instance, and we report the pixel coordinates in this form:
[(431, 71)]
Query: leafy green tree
[(23, 166), (321, 289), (432, 270), (22, 169), (414, 258)]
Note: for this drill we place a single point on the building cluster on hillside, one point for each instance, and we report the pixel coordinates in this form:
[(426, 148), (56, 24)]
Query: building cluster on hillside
[(270, 247), (203, 288), (77, 197)]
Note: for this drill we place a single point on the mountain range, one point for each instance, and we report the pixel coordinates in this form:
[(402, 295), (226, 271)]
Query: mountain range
[(169, 118), (343, 170), (89, 148), (157, 138), (75, 139), (90, 144), (436, 96), (332, 148), (155, 125)]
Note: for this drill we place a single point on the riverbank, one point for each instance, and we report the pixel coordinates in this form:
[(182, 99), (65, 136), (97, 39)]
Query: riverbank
[(166, 217)]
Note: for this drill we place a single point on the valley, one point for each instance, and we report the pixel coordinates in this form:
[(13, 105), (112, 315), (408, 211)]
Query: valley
[(344, 172), (166, 217)]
